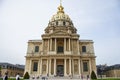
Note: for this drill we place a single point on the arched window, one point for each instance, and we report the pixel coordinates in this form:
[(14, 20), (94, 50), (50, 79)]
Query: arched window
[(83, 48), (35, 66), (85, 66), (36, 48), (63, 22), (57, 23)]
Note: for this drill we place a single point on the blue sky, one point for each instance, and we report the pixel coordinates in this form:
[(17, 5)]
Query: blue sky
[(23, 20)]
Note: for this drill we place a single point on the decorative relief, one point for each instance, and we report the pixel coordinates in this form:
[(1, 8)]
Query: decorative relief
[(45, 44), (75, 46), (44, 68), (76, 69)]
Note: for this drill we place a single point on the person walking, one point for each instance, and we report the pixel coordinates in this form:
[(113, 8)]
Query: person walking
[(17, 76), (6, 76)]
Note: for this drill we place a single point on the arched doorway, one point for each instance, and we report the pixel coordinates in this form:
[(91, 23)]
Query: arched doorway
[(60, 67)]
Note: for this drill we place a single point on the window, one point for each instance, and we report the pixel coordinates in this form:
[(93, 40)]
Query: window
[(57, 23), (83, 48), (60, 49), (85, 66), (35, 66), (36, 48), (64, 23)]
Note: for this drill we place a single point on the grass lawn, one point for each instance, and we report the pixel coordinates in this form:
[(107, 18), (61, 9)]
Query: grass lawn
[(108, 79), (14, 79), (11, 79)]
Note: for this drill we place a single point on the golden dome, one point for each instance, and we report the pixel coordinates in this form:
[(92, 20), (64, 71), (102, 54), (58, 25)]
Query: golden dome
[(60, 16), (60, 21)]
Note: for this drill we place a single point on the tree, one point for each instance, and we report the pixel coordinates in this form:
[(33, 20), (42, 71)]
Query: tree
[(93, 75), (26, 76)]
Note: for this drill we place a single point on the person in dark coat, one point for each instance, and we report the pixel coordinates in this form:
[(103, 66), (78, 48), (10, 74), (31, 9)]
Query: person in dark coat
[(6, 76)]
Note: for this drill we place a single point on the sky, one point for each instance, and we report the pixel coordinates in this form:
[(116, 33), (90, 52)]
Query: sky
[(23, 20)]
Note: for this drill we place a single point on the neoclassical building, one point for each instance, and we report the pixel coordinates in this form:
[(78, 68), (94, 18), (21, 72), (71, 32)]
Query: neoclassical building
[(60, 52)]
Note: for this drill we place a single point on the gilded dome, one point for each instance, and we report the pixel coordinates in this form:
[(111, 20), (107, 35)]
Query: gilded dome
[(60, 18), (60, 21)]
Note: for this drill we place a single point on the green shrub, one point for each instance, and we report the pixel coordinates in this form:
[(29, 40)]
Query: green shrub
[(26, 76), (93, 75)]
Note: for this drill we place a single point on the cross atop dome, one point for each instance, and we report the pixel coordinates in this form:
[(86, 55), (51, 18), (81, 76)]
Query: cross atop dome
[(60, 8), (60, 2)]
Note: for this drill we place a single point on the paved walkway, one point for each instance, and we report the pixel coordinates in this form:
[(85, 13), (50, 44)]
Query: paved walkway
[(59, 78)]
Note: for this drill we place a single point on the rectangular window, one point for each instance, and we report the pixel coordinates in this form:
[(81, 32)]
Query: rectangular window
[(60, 49), (85, 66), (36, 48), (35, 66), (64, 23), (83, 48)]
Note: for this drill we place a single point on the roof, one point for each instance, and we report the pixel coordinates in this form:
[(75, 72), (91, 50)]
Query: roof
[(6, 65), (35, 40), (83, 40)]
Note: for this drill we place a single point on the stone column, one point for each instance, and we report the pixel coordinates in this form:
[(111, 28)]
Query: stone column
[(69, 44), (78, 46), (90, 68), (65, 67), (48, 45), (72, 66), (64, 44), (54, 66), (51, 44), (43, 44), (79, 67), (55, 45), (30, 66), (47, 67), (41, 67), (50, 67), (69, 66), (81, 64)]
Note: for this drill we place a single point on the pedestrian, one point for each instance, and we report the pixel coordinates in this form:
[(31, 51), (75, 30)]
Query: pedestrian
[(82, 77), (6, 76), (87, 77), (17, 76)]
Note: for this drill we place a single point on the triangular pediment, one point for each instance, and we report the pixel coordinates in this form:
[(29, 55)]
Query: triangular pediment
[(59, 33)]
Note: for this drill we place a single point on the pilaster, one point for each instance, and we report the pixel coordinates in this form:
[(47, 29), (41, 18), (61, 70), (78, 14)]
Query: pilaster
[(41, 67), (70, 66), (65, 67), (50, 67), (54, 66)]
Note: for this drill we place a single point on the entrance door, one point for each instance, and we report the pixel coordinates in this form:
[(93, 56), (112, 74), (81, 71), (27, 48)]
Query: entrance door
[(60, 70)]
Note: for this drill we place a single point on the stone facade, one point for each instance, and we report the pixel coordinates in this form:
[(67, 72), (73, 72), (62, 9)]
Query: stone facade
[(113, 73), (60, 52), (11, 69)]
